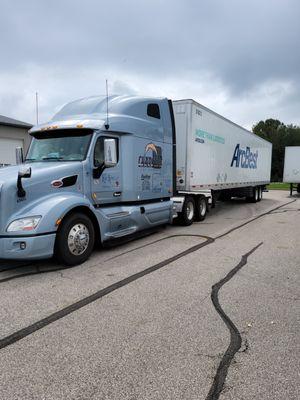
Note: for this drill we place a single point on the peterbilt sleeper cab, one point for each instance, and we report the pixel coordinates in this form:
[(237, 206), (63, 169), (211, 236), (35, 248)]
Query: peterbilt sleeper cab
[(89, 177)]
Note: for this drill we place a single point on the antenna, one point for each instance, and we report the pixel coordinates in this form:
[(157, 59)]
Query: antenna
[(37, 107), (107, 121)]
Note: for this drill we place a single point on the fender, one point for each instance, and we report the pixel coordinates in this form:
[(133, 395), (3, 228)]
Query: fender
[(51, 208)]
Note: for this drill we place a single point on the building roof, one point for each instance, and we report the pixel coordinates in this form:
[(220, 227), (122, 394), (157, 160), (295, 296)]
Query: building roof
[(13, 122)]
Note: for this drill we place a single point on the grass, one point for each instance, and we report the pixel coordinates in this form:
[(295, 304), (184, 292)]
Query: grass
[(278, 186)]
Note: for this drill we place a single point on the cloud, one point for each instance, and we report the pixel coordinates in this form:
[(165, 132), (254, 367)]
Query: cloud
[(238, 58)]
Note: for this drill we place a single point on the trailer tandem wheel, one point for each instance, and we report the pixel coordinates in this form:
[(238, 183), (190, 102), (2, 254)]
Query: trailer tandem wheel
[(260, 193), (254, 196)]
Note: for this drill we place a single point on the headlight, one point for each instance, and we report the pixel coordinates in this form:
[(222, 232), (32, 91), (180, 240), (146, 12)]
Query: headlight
[(24, 224)]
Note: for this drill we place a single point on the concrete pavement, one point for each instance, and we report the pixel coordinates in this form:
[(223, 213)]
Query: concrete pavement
[(160, 336)]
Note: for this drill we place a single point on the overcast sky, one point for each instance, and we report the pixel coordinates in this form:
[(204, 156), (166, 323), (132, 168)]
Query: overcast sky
[(240, 58)]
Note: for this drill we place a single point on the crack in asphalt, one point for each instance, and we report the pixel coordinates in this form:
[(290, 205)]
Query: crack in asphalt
[(285, 211), (235, 336), (37, 272), (14, 267), (156, 241), (253, 219)]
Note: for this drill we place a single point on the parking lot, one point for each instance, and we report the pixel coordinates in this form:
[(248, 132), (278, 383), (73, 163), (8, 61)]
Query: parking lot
[(202, 312)]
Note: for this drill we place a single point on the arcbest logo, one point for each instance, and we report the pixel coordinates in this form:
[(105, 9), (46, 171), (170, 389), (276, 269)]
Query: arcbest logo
[(152, 157), (244, 158)]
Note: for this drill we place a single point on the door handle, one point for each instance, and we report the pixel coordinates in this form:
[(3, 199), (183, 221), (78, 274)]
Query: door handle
[(117, 194)]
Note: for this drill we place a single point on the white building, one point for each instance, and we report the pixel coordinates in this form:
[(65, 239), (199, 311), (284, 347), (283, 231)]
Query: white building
[(13, 133)]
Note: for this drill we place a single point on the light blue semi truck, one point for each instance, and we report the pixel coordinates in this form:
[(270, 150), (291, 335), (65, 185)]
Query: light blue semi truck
[(105, 168)]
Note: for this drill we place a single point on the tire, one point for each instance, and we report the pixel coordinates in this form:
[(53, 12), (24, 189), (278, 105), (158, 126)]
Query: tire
[(74, 240), (256, 194), (298, 188), (201, 208), (187, 214), (254, 197)]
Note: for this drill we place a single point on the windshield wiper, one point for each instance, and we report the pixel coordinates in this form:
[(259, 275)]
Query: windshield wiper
[(30, 159), (52, 158)]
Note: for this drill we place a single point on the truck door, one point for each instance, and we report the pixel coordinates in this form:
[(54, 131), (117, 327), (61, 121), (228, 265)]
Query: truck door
[(106, 184)]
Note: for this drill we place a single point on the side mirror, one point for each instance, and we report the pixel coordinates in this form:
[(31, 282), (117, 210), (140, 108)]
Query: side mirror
[(23, 173), (19, 155), (110, 153), (108, 156)]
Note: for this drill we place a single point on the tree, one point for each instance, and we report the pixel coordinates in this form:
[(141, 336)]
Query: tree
[(280, 135)]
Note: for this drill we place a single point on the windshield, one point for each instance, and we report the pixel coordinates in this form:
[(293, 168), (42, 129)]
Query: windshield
[(61, 145)]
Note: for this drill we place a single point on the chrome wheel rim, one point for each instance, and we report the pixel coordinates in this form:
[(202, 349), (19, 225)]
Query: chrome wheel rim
[(202, 207), (78, 239), (190, 210)]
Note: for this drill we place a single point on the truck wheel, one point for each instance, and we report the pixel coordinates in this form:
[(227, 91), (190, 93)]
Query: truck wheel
[(254, 197), (187, 215), (260, 193), (74, 240), (201, 209), (256, 194)]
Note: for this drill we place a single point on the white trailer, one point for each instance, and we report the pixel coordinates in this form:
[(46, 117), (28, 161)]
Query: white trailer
[(291, 171), (216, 158)]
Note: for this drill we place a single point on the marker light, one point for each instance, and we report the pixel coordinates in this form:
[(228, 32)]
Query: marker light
[(24, 224)]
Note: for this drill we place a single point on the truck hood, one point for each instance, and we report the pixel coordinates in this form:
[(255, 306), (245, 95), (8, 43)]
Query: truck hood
[(37, 187), (11, 172), (40, 170)]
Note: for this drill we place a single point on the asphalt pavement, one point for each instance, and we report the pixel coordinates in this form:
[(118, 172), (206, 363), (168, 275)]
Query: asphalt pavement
[(209, 311)]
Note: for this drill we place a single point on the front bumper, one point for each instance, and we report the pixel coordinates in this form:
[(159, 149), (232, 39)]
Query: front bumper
[(27, 248)]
